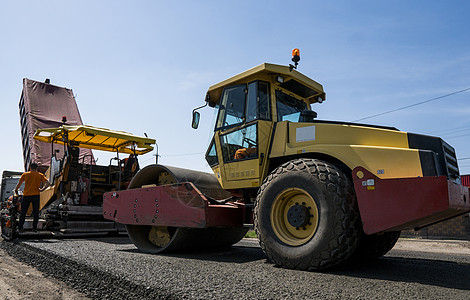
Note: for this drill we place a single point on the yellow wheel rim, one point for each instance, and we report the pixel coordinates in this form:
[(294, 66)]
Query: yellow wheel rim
[(294, 216), (159, 236)]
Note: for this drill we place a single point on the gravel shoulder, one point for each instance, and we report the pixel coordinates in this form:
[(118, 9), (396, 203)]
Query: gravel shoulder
[(21, 281), (457, 247)]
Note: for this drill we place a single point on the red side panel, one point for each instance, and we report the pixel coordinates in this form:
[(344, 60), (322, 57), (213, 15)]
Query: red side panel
[(175, 205), (406, 203), (465, 180)]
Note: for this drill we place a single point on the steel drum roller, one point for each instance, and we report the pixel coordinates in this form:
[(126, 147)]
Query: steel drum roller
[(156, 239)]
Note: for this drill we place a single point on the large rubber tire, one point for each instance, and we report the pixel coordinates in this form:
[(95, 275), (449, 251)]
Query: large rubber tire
[(9, 223), (176, 238), (332, 232), (8, 233), (375, 245)]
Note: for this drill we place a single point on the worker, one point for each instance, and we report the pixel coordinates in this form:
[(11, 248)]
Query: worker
[(34, 183), (244, 153)]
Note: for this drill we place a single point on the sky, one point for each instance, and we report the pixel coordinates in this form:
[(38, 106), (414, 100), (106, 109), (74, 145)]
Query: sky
[(142, 66)]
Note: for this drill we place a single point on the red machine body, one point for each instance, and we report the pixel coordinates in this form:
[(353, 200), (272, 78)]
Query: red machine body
[(407, 203), (176, 205), (384, 204)]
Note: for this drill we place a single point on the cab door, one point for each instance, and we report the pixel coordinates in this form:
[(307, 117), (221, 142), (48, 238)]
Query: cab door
[(242, 147)]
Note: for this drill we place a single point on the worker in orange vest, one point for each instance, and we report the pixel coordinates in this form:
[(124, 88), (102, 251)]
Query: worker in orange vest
[(34, 183)]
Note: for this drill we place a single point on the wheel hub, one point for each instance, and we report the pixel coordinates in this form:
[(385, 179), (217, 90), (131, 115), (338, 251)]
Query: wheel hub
[(294, 216), (298, 216), (159, 236)]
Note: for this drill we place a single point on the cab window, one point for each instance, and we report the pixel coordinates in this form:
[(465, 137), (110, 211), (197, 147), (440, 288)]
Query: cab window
[(241, 144), (264, 105), (232, 106), (257, 102), (288, 107), (211, 155), (243, 103)]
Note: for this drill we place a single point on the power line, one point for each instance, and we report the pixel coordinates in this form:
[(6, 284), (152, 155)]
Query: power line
[(183, 154), (464, 158), (411, 105), (152, 158), (457, 136), (450, 130), (171, 155)]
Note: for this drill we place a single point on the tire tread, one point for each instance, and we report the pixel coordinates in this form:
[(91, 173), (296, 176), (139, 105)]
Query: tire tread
[(346, 232)]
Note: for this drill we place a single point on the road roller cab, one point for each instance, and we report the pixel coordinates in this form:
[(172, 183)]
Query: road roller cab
[(318, 192), (250, 105)]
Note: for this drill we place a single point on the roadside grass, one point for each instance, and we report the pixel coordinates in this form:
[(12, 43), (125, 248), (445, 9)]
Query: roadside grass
[(251, 234)]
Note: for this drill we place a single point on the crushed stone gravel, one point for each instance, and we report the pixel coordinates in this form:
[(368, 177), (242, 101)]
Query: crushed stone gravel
[(112, 268), (92, 282)]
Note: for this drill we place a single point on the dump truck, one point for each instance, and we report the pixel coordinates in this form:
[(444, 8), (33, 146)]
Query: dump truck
[(54, 137), (44, 105), (9, 181), (317, 192)]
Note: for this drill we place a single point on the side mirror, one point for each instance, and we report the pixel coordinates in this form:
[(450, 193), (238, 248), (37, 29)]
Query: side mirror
[(195, 121)]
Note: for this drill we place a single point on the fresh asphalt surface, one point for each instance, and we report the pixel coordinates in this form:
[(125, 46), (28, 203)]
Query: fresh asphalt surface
[(112, 268)]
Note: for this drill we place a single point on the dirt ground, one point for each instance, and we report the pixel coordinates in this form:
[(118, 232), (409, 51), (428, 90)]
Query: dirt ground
[(457, 247), (20, 281)]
